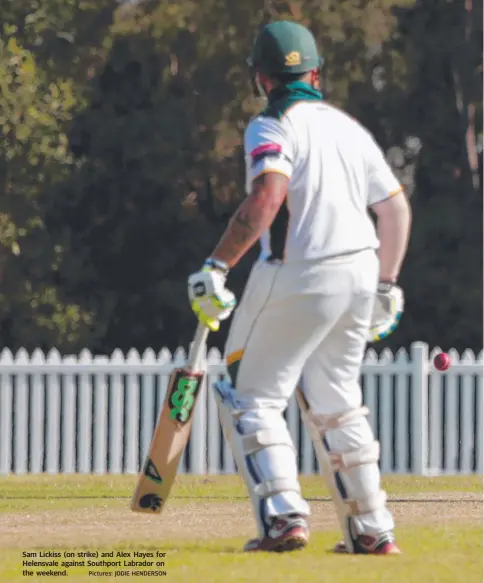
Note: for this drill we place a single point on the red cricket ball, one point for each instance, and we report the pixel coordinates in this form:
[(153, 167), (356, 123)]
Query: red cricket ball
[(442, 361)]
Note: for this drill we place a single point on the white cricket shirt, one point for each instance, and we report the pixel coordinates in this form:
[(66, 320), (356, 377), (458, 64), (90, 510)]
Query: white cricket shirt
[(336, 172)]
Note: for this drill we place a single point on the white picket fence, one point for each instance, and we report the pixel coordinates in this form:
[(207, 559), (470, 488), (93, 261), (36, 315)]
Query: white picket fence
[(97, 414)]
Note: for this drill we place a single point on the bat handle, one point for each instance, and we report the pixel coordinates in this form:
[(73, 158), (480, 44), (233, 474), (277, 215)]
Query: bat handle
[(198, 346)]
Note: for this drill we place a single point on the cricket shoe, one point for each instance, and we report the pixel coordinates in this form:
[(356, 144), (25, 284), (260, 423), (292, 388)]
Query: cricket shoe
[(288, 533), (365, 544)]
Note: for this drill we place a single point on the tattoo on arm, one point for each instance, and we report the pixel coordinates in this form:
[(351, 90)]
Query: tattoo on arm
[(243, 226), (252, 218)]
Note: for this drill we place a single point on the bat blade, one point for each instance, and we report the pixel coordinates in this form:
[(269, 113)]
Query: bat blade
[(168, 443)]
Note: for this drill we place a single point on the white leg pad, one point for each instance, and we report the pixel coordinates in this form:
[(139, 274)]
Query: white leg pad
[(348, 458), (265, 456)]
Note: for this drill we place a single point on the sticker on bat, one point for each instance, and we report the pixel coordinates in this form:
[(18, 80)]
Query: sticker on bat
[(152, 501), (151, 472), (182, 397)]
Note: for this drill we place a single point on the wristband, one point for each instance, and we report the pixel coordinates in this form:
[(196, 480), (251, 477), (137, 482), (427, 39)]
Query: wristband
[(384, 286), (217, 264)]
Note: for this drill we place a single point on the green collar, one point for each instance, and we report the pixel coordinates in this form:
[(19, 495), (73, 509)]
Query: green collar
[(285, 96)]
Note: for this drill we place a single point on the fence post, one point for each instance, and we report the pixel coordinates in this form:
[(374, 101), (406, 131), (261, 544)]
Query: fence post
[(198, 440), (6, 406), (419, 414)]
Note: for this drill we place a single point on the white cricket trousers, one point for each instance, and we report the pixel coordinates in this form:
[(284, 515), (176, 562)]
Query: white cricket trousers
[(306, 319), (306, 323)]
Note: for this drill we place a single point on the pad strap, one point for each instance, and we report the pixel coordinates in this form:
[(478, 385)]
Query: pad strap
[(325, 423), (264, 438), (367, 454), (272, 487), (369, 504)]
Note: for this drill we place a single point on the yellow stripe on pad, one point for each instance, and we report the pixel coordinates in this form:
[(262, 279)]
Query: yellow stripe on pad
[(234, 357)]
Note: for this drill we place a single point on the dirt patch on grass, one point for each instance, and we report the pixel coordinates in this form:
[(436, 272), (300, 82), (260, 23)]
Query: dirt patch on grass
[(198, 520)]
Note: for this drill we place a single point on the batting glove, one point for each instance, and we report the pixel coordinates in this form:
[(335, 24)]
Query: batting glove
[(209, 298), (387, 312)]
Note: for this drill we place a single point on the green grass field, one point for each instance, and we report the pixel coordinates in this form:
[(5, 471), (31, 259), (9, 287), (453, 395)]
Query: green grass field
[(207, 521)]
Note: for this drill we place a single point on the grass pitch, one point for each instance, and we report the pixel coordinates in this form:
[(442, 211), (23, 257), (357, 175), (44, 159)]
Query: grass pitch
[(207, 521)]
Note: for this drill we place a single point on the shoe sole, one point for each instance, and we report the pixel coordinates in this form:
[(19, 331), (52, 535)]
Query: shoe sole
[(287, 544), (293, 543), (388, 549)]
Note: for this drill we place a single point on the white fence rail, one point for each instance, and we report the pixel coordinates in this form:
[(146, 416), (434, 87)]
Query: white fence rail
[(97, 414)]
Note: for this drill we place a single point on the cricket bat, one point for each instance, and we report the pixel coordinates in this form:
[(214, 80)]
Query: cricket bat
[(171, 432)]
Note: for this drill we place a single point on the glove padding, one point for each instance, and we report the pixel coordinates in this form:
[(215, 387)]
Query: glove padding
[(387, 312), (210, 300)]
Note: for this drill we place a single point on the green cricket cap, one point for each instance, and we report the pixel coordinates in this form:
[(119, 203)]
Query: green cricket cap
[(285, 48)]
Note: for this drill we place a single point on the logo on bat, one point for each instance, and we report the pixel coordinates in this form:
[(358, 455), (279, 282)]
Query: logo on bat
[(151, 472), (152, 501), (182, 397)]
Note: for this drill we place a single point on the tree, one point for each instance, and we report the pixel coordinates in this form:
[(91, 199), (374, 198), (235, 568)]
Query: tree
[(66, 37), (126, 158), (33, 157), (443, 272)]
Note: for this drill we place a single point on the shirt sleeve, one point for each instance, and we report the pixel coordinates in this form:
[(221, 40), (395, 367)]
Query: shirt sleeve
[(267, 148), (382, 182)]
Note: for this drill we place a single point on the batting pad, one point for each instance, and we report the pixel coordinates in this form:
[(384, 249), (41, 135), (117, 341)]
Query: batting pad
[(264, 453), (350, 469)]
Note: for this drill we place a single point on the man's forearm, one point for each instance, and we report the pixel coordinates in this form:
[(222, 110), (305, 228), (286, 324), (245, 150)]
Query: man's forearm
[(244, 229), (393, 232), (253, 217)]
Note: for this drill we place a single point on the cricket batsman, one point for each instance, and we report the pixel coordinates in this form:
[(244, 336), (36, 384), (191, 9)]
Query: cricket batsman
[(324, 285)]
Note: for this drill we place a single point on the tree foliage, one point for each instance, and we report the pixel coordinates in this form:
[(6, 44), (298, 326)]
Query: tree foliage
[(122, 156), (33, 157)]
